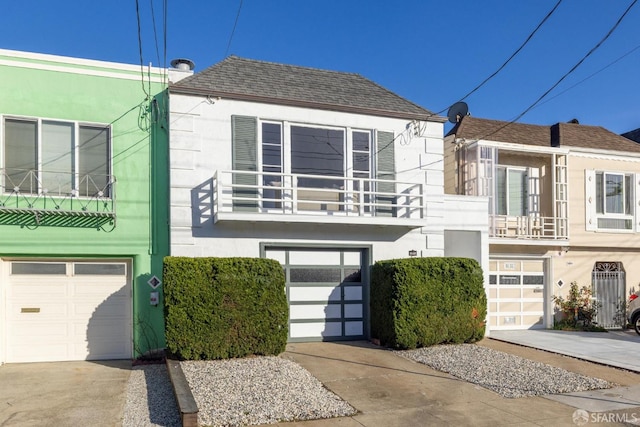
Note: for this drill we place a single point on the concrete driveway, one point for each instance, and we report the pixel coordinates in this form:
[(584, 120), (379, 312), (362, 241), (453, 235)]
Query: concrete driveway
[(63, 393), (616, 348)]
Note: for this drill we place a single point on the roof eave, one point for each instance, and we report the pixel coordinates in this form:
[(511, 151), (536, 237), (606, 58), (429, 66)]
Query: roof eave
[(306, 104)]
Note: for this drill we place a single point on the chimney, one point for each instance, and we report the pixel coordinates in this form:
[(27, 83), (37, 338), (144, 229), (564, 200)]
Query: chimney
[(555, 135)]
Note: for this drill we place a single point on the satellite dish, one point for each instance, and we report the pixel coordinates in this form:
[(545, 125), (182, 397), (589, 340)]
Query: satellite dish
[(457, 111)]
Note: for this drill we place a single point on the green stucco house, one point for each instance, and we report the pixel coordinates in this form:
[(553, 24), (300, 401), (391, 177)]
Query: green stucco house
[(83, 208)]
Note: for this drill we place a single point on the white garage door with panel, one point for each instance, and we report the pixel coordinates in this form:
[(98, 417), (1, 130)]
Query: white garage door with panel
[(327, 290), (516, 294), (64, 310)]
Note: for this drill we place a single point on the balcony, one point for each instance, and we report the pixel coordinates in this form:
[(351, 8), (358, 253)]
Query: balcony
[(301, 198), (45, 198), (528, 228)]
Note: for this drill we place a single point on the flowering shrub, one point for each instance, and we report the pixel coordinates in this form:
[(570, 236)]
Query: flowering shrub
[(578, 307)]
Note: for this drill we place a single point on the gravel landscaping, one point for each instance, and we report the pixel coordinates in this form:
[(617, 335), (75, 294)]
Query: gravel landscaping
[(267, 390), (510, 376), (259, 390)]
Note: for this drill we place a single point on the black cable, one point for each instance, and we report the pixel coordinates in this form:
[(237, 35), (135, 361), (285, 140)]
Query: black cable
[(155, 33), (140, 47), (593, 49), (234, 29), (512, 55), (589, 76)]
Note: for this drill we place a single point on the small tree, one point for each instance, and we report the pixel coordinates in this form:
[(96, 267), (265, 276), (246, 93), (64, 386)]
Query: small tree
[(578, 306)]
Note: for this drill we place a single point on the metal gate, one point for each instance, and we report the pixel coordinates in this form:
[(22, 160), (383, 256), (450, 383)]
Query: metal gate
[(609, 292)]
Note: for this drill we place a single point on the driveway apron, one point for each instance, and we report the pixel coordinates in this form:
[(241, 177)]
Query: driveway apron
[(389, 390), (63, 393)]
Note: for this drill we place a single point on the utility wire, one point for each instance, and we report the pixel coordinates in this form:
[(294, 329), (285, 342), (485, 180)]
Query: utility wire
[(529, 37), (593, 49), (144, 89), (234, 29), (588, 77), (155, 33)]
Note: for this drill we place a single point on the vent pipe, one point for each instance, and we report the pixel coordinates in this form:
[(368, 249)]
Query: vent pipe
[(183, 64)]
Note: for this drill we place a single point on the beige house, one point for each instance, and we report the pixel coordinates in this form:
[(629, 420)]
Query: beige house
[(563, 207)]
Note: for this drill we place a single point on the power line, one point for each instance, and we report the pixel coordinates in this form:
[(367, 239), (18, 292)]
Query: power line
[(589, 76), (140, 47), (234, 29), (593, 49), (155, 33), (529, 37)]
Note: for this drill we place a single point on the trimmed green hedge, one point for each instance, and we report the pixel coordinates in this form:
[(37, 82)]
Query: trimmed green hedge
[(418, 302), (218, 308)]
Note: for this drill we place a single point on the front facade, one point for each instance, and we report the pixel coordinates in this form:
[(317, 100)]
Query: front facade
[(81, 214), (562, 209), (326, 172)]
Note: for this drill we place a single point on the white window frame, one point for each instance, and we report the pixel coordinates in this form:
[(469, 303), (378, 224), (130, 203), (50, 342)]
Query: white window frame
[(525, 201), (76, 145), (594, 217)]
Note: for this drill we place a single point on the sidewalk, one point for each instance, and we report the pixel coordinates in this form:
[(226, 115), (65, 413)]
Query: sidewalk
[(620, 349), (389, 390)]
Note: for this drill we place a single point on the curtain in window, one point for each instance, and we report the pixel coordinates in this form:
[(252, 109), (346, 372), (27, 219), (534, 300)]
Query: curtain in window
[(20, 154), (57, 157), (94, 160), (614, 189), (517, 192)]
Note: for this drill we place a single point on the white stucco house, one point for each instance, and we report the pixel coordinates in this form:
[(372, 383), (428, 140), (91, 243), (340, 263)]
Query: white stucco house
[(327, 172)]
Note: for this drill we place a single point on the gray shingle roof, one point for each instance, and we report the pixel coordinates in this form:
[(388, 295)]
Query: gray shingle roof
[(241, 78), (562, 134), (633, 135)]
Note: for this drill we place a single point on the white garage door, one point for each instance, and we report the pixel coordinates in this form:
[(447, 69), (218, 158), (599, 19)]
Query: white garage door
[(326, 290), (59, 311), (516, 294)]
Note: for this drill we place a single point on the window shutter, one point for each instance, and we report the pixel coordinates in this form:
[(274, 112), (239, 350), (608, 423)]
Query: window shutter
[(245, 146), (590, 220), (385, 169)]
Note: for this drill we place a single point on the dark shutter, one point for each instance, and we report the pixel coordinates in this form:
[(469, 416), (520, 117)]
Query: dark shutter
[(385, 169), (245, 145)]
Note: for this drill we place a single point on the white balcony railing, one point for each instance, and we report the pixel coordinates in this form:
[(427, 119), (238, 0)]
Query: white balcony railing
[(528, 227), (56, 194), (239, 194)]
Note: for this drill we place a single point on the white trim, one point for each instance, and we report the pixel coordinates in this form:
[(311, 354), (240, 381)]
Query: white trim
[(625, 156), (78, 61), (85, 71)]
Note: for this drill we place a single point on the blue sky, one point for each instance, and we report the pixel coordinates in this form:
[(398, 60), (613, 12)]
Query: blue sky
[(430, 52)]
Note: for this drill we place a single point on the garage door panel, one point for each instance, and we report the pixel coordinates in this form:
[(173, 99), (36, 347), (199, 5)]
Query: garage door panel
[(352, 258), (80, 317), (352, 293), (353, 328), (315, 329), (325, 291), (315, 293), (516, 289), (353, 310), (312, 257), (99, 288), (315, 311), (38, 288)]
